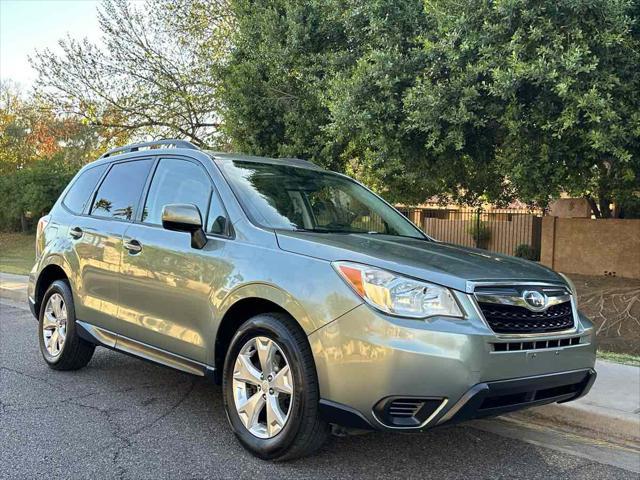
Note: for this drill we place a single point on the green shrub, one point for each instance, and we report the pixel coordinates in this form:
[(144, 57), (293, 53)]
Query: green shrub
[(526, 251), (31, 191)]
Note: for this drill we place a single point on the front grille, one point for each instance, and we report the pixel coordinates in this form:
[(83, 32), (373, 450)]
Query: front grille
[(516, 319), (537, 345)]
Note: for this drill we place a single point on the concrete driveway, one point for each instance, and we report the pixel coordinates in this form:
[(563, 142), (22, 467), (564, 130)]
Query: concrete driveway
[(124, 418)]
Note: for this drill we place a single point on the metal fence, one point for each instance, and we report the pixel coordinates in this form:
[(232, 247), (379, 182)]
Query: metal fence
[(509, 231)]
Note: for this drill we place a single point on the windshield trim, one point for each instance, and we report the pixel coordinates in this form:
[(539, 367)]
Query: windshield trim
[(254, 221)]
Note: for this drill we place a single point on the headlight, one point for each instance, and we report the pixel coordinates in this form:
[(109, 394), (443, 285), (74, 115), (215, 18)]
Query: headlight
[(398, 295), (572, 287)]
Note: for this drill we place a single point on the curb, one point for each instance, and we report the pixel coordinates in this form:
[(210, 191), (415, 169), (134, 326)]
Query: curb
[(13, 287), (13, 291), (598, 422), (15, 295)]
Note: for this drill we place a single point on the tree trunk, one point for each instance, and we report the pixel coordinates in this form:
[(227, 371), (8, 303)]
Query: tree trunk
[(594, 206), (24, 223), (605, 206)]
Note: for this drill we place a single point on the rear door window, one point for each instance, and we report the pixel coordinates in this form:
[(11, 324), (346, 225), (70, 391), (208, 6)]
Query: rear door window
[(80, 192), (118, 195), (176, 181)]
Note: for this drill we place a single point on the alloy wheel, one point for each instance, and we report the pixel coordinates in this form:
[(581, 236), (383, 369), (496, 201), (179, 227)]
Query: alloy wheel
[(262, 387), (54, 324)]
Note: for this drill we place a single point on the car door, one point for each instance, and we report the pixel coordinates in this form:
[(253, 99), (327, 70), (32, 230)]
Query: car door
[(98, 241), (165, 283)]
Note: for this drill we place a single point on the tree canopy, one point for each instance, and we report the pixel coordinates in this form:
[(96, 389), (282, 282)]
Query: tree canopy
[(475, 101), (481, 101), (39, 154), (157, 71)]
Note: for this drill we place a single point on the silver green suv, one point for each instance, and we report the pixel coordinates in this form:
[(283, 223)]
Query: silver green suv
[(314, 303)]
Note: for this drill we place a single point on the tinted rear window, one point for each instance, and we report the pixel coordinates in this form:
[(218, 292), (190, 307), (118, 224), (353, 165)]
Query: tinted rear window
[(120, 191), (78, 196)]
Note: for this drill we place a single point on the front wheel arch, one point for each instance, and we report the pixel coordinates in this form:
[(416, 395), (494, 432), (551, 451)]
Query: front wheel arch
[(234, 317)]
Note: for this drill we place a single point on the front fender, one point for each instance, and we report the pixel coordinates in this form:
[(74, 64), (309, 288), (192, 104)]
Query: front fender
[(272, 293)]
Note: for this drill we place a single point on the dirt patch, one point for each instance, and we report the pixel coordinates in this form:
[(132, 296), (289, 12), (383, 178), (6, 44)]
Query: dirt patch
[(613, 304)]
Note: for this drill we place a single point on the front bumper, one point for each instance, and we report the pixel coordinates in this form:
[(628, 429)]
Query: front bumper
[(366, 359), (495, 398)]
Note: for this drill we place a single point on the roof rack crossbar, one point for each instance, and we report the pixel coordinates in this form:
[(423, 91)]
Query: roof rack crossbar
[(134, 147)]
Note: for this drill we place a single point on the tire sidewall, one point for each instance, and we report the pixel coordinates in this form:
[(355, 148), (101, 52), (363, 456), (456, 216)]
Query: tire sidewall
[(61, 287), (267, 325)]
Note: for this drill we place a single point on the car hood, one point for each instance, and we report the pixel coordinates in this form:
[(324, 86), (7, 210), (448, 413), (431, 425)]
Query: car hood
[(445, 264)]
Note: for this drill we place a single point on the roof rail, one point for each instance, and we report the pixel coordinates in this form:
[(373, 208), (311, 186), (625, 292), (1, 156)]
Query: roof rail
[(134, 147)]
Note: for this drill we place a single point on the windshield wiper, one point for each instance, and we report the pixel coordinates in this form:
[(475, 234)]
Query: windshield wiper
[(322, 230), (425, 238)]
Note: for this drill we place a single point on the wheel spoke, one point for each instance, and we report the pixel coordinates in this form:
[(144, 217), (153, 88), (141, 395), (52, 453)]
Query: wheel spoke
[(282, 381), (250, 410), (275, 417), (244, 371), (266, 351), (53, 342), (57, 306), (48, 322)]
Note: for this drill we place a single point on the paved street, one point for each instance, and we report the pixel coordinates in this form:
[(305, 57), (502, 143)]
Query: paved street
[(124, 418)]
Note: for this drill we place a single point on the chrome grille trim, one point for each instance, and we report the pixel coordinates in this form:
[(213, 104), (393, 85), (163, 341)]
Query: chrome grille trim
[(471, 286), (496, 297)]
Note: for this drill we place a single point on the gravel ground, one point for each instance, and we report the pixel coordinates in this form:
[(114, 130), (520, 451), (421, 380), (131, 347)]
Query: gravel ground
[(124, 418)]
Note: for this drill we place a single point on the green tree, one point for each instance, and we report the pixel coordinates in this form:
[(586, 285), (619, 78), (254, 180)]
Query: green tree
[(156, 72), (30, 192), (284, 52), (39, 153), (476, 101), (544, 95)]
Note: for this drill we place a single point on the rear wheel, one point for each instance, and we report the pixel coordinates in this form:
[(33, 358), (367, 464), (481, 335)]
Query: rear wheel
[(60, 345), (271, 390)]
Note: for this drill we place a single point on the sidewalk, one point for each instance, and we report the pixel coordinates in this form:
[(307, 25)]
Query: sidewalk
[(611, 410)]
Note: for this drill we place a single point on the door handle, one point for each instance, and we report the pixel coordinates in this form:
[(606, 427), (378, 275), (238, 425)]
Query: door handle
[(133, 246), (76, 232)]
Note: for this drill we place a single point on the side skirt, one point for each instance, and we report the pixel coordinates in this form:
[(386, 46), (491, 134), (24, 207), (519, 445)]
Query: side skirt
[(113, 341)]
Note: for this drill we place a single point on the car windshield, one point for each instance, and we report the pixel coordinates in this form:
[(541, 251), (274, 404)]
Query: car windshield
[(293, 198)]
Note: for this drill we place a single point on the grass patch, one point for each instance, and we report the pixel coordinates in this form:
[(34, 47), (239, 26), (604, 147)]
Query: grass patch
[(623, 358), (17, 252)]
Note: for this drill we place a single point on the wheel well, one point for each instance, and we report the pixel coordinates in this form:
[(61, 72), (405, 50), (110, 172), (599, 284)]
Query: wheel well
[(50, 274), (239, 313)]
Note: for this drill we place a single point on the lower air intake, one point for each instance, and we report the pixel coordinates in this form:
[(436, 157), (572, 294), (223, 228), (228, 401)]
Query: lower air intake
[(398, 412)]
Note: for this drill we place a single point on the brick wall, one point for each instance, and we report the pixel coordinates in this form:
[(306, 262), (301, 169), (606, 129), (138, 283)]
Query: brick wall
[(591, 247)]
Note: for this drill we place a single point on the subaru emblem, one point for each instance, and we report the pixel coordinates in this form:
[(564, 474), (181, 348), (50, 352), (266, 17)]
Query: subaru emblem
[(535, 300)]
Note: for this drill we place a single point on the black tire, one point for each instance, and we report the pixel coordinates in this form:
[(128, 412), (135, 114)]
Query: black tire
[(75, 352), (304, 432)]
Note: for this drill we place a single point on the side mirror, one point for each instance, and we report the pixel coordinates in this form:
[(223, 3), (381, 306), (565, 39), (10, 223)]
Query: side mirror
[(184, 217)]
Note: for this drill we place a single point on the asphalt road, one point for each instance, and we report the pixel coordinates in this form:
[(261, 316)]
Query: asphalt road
[(124, 418)]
